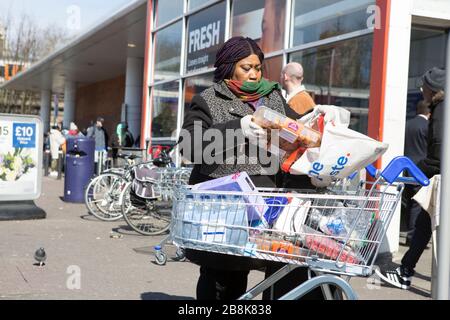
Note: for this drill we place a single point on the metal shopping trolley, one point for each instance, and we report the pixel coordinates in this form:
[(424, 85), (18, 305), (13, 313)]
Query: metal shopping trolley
[(335, 233)]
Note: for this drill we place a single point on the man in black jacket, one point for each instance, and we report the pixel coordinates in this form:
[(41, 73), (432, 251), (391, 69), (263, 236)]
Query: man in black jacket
[(433, 92), (416, 138)]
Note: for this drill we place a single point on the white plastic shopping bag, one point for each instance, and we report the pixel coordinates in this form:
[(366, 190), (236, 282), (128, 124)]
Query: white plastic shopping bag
[(342, 152), (337, 115), (429, 199)]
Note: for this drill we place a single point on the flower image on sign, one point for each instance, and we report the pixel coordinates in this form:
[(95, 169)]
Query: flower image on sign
[(20, 157)]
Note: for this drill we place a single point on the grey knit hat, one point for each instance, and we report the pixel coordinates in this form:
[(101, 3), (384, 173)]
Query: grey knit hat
[(435, 79)]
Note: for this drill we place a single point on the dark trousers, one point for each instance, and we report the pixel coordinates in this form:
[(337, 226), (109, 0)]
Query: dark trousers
[(419, 241), (412, 209), (216, 284)]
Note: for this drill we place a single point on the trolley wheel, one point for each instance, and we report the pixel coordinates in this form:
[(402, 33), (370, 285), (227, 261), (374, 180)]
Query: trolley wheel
[(160, 258), (180, 255), (102, 196)]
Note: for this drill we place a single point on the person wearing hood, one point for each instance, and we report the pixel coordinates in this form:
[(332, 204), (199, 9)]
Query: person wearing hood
[(125, 137), (433, 93), (73, 130)]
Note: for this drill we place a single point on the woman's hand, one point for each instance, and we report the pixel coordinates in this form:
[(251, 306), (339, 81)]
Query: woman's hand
[(253, 132), (251, 129), (338, 115)]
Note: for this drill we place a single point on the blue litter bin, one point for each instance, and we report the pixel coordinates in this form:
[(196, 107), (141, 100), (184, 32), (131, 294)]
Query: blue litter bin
[(79, 168)]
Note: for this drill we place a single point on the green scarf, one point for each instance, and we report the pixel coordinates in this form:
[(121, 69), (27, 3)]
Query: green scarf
[(252, 91)]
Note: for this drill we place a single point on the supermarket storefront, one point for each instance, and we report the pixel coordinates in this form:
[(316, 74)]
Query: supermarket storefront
[(365, 55), (335, 50), (146, 62)]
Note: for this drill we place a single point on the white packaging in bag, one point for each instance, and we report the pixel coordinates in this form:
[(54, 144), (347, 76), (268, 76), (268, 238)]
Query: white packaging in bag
[(342, 152)]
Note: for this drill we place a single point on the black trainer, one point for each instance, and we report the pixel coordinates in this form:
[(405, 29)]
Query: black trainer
[(397, 278)]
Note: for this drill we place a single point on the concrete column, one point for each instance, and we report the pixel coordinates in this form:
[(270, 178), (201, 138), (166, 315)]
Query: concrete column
[(395, 99), (69, 103), (45, 109), (133, 94)]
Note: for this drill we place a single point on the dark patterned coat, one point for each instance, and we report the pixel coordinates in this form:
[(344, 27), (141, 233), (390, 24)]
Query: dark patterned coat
[(218, 108)]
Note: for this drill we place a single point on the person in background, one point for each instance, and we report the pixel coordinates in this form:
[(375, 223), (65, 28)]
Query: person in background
[(73, 130), (433, 93), (90, 130), (56, 139), (137, 142), (416, 134), (125, 136), (300, 101), (122, 138), (101, 143), (297, 98)]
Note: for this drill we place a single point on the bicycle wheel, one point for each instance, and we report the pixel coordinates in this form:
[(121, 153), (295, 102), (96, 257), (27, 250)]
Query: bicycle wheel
[(102, 196), (147, 217)]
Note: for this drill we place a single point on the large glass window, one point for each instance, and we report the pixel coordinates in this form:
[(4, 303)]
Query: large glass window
[(261, 20), (320, 19), (165, 109), (194, 86), (428, 48), (167, 52), (196, 3), (167, 10), (339, 73), (335, 72), (205, 34)]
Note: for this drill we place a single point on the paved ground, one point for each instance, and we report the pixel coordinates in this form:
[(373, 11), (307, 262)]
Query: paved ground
[(109, 268)]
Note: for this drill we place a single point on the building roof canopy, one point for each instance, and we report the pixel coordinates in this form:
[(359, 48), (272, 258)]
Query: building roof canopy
[(98, 54)]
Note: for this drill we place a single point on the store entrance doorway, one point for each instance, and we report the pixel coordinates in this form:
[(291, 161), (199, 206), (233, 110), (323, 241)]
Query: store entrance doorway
[(427, 50)]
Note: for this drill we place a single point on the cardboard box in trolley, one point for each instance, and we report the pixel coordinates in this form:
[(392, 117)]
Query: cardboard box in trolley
[(239, 182)]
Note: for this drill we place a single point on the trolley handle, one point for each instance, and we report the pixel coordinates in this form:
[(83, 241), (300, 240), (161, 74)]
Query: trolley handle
[(393, 170)]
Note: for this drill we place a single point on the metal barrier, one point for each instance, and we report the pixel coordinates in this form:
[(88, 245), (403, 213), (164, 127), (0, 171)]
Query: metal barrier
[(60, 164), (47, 161)]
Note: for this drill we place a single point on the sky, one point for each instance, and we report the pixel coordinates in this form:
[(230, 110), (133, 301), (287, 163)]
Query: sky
[(76, 16)]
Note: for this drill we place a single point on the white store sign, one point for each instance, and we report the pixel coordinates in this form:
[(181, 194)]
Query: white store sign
[(21, 148)]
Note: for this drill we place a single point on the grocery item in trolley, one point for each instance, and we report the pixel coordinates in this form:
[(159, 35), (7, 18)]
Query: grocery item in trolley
[(348, 222), (325, 246), (275, 206), (266, 246), (212, 221), (239, 181), (291, 134), (293, 216)]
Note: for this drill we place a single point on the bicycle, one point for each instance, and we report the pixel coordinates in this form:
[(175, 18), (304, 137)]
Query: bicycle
[(146, 200), (103, 192)]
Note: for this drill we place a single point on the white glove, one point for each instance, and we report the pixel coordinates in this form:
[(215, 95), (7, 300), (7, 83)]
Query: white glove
[(253, 131), (339, 115)]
